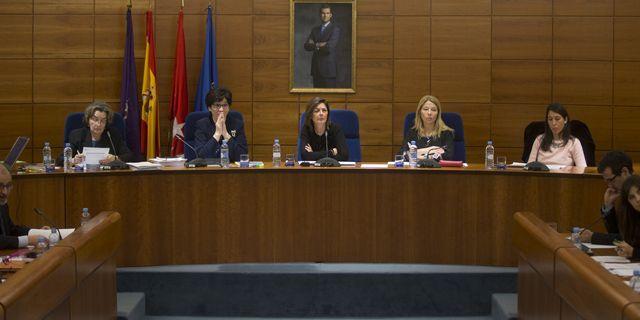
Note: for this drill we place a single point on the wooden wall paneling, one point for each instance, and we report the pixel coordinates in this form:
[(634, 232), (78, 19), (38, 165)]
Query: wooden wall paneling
[(107, 80), (271, 80), (190, 7), (51, 36), (583, 8), (627, 8), (48, 122), (271, 37), (374, 80), (64, 7), (375, 37), (97, 298), (195, 35), (16, 81), (246, 109), (522, 37), (509, 121), (522, 7), (234, 36), (399, 112), (411, 80), (15, 121), (375, 122), (110, 34), (625, 137), (16, 7), (476, 154), (599, 121), (461, 7), (521, 81), (582, 82), (583, 38), (63, 80), (16, 33), (411, 38), (461, 81), (264, 7), (375, 7), (164, 78), (275, 119), (626, 39), (44, 192), (120, 7), (377, 153), (461, 37), (336, 100), (626, 83), (411, 7), (234, 7), (476, 121), (25, 156), (235, 74)]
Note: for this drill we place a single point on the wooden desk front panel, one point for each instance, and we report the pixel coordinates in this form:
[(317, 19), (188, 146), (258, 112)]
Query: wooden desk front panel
[(334, 215), (536, 298)]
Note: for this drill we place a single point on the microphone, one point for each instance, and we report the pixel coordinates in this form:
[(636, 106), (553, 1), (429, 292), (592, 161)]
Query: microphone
[(535, 165), (428, 162), (197, 161), (41, 213), (601, 217), (327, 161), (117, 163)]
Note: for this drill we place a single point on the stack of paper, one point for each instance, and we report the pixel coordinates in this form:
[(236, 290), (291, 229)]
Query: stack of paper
[(144, 165)]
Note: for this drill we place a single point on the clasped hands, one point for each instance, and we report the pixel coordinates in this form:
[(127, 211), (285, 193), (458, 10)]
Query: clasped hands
[(221, 128), (429, 152)]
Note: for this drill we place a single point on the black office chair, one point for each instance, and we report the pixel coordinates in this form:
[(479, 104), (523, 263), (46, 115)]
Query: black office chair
[(578, 129)]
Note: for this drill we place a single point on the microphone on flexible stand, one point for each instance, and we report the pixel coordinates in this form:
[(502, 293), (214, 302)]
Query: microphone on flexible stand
[(117, 163), (428, 162), (193, 163), (601, 217), (41, 213), (327, 161), (535, 165)]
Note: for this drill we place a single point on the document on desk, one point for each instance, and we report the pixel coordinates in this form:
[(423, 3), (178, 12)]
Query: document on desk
[(47, 232), (94, 155), (598, 246), (610, 259)]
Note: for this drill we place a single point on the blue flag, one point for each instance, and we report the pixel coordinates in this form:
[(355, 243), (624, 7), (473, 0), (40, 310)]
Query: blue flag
[(129, 107), (209, 69)]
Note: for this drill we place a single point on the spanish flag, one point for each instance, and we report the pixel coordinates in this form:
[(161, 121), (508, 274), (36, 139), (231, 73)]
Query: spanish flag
[(149, 128)]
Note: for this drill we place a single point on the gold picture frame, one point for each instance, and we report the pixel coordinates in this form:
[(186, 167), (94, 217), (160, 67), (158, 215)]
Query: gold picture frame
[(322, 52)]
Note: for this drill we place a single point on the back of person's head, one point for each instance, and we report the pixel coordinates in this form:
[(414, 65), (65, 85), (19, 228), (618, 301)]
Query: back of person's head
[(311, 105), (548, 134), (217, 95), (101, 106), (418, 123), (616, 160)]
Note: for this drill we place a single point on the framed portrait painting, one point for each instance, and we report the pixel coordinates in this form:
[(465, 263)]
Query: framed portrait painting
[(322, 46)]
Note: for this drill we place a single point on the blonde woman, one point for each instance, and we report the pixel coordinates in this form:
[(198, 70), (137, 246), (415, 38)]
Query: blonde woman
[(433, 138)]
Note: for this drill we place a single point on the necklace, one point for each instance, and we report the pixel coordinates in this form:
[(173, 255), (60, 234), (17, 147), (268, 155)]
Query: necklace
[(557, 143)]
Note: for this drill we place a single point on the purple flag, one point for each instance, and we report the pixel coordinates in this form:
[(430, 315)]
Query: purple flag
[(129, 107)]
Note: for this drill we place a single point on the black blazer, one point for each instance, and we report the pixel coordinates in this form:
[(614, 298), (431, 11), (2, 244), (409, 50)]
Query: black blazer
[(9, 232), (318, 143), (207, 147), (445, 141), (80, 138)]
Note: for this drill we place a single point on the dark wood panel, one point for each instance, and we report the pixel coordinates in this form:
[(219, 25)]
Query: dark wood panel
[(583, 38), (96, 299), (400, 111), (261, 7), (508, 123), (460, 37), (271, 80), (233, 34), (583, 82), (632, 311), (375, 37), (583, 7), (15, 34), (627, 8), (522, 37), (110, 34), (15, 121), (461, 81), (375, 7), (625, 135), (246, 109), (626, 38), (377, 153), (599, 120), (107, 79), (411, 7), (51, 36), (16, 81), (271, 37), (63, 7), (375, 122), (521, 81), (626, 83), (120, 7), (16, 7), (522, 7), (45, 192), (461, 7), (190, 7), (411, 80), (235, 74), (476, 120), (411, 38), (374, 78), (535, 298), (275, 119), (63, 80), (48, 122)]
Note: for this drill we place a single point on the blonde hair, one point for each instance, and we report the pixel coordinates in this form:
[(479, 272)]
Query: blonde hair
[(439, 125)]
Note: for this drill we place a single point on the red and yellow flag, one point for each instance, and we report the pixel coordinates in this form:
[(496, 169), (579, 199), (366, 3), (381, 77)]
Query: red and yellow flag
[(149, 124)]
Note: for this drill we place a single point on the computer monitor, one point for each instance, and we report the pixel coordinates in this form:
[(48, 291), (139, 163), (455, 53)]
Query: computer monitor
[(16, 151)]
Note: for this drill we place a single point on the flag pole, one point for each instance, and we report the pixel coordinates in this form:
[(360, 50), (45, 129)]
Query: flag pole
[(129, 4)]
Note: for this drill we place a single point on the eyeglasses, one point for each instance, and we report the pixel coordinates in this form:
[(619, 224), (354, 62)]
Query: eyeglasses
[(98, 120), (7, 186), (220, 105), (609, 180)]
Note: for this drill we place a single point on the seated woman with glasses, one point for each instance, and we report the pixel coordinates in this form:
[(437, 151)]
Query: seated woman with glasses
[(221, 125), (97, 132), (556, 146), (433, 137)]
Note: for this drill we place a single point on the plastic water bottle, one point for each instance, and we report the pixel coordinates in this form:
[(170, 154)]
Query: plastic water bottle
[(489, 151), (575, 236), (634, 283), (46, 158), (276, 153), (413, 154), (41, 246), (224, 154), (86, 216), (68, 158), (54, 237)]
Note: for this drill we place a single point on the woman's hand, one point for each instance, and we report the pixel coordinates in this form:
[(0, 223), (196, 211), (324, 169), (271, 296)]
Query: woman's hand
[(308, 148), (78, 158), (334, 151), (423, 153), (108, 159), (623, 249)]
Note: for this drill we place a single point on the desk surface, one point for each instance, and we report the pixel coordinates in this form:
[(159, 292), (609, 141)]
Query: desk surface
[(347, 214)]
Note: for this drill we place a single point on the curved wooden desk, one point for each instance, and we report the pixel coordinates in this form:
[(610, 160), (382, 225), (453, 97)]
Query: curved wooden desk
[(188, 216)]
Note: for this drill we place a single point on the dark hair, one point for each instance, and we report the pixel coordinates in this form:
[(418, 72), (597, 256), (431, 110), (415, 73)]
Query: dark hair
[(216, 95), (616, 160), (630, 224), (547, 139), (325, 6), (101, 106), (313, 103)]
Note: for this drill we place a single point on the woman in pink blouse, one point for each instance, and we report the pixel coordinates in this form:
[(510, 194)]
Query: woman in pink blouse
[(557, 146)]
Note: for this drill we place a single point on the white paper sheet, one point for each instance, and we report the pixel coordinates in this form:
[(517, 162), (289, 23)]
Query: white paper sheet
[(611, 259), (94, 155), (374, 165), (46, 233), (598, 246)]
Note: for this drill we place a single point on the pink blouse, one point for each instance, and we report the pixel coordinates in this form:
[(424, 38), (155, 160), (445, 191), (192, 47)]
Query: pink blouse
[(570, 154)]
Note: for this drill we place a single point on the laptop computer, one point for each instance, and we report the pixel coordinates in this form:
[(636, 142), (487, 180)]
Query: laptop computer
[(16, 151)]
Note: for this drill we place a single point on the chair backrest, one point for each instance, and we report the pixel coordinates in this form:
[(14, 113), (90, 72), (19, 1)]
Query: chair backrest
[(578, 129), (74, 121), (189, 129), (348, 121), (454, 121)]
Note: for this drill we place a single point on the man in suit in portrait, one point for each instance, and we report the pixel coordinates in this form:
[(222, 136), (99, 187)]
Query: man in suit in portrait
[(323, 42)]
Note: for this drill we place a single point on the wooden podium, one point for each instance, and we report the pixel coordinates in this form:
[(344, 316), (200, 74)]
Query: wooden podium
[(74, 280)]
